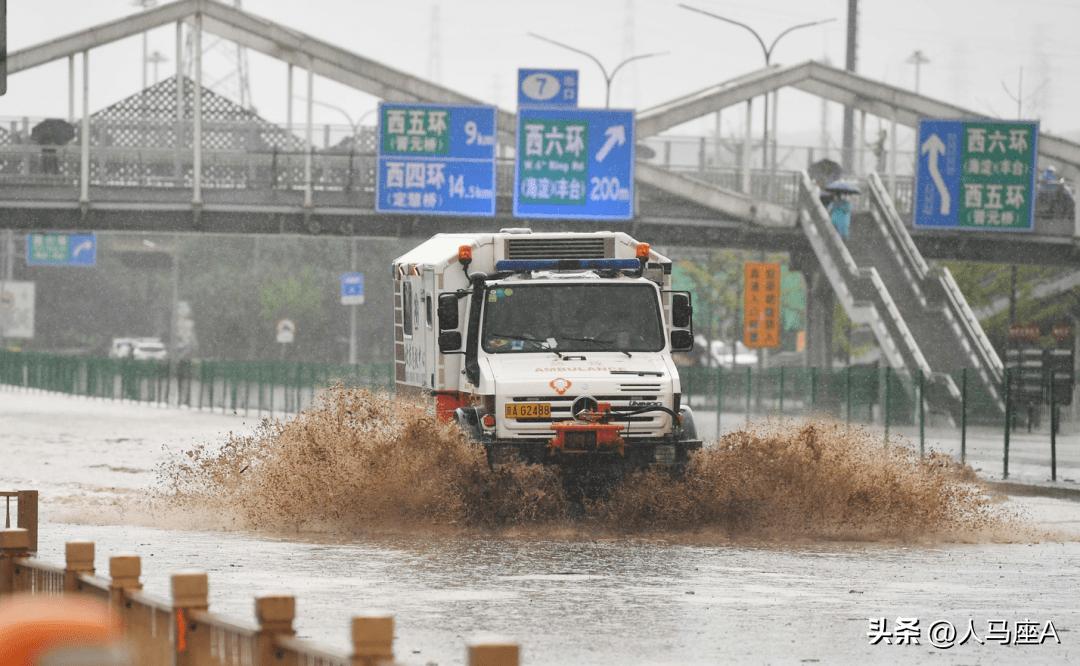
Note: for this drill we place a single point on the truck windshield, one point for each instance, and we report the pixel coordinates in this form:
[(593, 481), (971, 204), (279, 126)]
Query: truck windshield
[(572, 317)]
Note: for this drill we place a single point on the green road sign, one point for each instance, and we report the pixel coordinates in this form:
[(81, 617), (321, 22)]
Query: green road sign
[(61, 249)]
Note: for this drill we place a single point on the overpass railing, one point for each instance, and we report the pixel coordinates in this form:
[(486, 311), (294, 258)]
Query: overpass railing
[(181, 629), (863, 293), (938, 287)]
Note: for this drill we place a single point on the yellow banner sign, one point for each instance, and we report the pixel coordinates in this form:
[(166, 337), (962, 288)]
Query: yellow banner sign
[(761, 305)]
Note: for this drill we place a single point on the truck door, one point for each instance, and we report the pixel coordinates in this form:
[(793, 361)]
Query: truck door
[(428, 301)]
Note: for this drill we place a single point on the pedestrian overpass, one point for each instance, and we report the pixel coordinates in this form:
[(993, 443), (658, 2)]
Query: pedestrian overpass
[(197, 162)]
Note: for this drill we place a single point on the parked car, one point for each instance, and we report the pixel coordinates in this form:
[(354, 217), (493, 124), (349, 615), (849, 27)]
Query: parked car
[(122, 347), (149, 350)]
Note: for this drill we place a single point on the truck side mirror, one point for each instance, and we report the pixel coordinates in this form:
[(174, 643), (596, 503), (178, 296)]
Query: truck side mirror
[(681, 310), (448, 314), (682, 340), (449, 341)]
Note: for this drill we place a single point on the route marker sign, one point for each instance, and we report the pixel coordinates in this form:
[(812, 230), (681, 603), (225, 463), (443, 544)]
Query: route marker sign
[(352, 288), (548, 87), (435, 159), (574, 164), (976, 174), (61, 249)]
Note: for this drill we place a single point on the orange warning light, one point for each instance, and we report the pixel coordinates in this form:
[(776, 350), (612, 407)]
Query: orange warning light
[(464, 254), (643, 250)]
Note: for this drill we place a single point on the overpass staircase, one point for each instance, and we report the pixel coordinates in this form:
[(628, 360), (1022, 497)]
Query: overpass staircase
[(923, 324), (946, 329)]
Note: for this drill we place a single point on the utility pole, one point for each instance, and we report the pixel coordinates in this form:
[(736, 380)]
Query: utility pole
[(155, 59), (849, 65), (1019, 96), (917, 58)]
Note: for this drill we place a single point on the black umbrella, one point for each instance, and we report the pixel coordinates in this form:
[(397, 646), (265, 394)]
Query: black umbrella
[(52, 132), (824, 171)]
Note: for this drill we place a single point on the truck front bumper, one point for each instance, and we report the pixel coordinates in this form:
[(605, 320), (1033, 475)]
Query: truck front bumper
[(634, 452)]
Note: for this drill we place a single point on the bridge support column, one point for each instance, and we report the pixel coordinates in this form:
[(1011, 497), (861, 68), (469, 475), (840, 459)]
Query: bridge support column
[(71, 89), (747, 147), (892, 153), (196, 127), (307, 134), (84, 140), (820, 303)]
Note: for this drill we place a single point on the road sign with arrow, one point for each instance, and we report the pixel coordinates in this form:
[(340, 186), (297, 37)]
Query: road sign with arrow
[(575, 164), (61, 249), (976, 175)]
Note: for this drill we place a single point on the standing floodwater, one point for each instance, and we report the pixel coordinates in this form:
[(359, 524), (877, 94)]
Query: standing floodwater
[(590, 592)]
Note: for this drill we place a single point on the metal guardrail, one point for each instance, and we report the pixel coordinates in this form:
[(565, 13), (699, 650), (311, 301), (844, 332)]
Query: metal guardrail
[(182, 630), (247, 386)]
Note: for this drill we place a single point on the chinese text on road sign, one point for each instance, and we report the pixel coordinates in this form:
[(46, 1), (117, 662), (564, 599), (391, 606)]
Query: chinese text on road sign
[(575, 164), (976, 174), (547, 87), (761, 305), (436, 160), (61, 250)]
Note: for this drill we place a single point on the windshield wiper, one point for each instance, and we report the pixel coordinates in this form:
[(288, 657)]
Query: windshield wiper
[(527, 338), (586, 339)]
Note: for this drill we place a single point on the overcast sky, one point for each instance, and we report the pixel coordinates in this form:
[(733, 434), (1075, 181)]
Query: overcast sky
[(973, 46)]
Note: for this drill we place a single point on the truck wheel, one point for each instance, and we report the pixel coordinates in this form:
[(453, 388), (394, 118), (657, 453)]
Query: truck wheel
[(468, 420)]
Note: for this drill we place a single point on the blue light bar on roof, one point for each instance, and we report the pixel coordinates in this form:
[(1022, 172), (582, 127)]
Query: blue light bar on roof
[(521, 265)]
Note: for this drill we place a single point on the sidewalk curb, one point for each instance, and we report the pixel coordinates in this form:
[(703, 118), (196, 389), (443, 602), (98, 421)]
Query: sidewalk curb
[(1034, 490)]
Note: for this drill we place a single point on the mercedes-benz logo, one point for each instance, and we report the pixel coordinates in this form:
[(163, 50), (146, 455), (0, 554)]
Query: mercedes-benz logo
[(584, 403)]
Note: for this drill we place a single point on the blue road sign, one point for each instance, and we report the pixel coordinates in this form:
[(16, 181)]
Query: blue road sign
[(436, 159), (548, 87), (976, 174), (58, 249), (352, 288), (575, 164)]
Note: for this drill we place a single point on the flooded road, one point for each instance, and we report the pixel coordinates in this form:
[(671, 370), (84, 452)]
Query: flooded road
[(569, 596)]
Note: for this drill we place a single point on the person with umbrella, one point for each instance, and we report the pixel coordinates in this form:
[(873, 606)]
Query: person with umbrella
[(840, 207), (49, 134)]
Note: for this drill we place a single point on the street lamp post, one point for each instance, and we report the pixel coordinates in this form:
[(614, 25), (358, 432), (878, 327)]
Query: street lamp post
[(608, 77), (352, 240), (767, 51)]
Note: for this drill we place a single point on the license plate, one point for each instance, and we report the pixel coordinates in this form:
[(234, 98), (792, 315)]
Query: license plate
[(528, 410)]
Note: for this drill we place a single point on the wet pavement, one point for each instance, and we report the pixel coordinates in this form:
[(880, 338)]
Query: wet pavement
[(567, 596)]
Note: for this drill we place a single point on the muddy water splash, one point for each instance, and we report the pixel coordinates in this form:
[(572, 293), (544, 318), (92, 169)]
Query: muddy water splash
[(358, 460)]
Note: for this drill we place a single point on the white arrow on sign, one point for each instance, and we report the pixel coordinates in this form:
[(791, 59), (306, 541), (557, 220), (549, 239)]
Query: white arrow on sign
[(934, 148), (85, 245), (616, 135)]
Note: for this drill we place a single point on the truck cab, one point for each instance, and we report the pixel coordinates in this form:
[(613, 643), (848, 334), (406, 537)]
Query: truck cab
[(548, 348)]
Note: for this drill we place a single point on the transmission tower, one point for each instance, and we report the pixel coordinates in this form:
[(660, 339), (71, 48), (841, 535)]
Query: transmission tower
[(225, 65)]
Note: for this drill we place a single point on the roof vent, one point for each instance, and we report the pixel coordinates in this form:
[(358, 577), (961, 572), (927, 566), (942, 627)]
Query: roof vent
[(570, 247)]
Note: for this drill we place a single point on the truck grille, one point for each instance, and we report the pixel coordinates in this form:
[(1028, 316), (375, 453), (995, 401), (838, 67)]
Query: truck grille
[(555, 248)]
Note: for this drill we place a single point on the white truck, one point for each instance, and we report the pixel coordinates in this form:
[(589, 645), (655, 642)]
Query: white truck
[(548, 347)]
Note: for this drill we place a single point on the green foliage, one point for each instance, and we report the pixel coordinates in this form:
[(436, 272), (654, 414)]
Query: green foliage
[(715, 282), (297, 296)]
